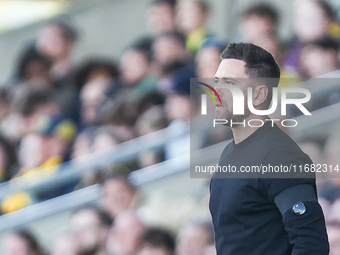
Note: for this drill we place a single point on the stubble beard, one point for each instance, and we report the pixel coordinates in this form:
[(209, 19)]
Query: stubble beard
[(222, 112)]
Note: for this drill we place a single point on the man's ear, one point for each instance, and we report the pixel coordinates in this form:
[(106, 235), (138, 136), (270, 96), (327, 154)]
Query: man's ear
[(260, 94)]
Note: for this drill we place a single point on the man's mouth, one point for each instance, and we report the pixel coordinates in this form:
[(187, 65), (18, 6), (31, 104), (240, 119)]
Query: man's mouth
[(218, 103)]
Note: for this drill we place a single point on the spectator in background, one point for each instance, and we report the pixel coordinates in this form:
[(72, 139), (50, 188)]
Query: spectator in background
[(152, 120), (258, 20), (48, 146), (333, 227), (57, 40), (34, 71), (82, 145), (209, 57), (119, 195), (90, 228), (126, 234), (8, 160), (97, 68), (34, 67), (272, 44), (136, 67), (259, 25), (4, 105), (330, 190), (161, 16), (146, 102), (194, 237), (169, 49), (22, 242), (319, 57), (89, 70), (94, 139), (157, 241), (10, 119), (313, 20), (32, 105), (179, 110), (333, 231), (25, 107), (192, 17), (164, 85), (64, 244), (121, 112), (106, 138), (40, 156), (101, 140), (92, 96)]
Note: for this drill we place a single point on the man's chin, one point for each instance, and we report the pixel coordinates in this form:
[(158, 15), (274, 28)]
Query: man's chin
[(223, 119), (220, 114)]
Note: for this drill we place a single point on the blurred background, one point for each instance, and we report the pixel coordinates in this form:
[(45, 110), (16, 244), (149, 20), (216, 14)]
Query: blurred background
[(95, 117)]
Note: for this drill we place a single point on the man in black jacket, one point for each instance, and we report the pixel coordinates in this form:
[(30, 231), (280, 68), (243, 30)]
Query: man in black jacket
[(261, 216)]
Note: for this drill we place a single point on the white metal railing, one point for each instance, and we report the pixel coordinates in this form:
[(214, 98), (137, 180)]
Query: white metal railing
[(88, 195), (74, 169)]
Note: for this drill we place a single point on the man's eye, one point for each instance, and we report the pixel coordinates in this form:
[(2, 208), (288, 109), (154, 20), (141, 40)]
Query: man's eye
[(229, 82), (216, 81)]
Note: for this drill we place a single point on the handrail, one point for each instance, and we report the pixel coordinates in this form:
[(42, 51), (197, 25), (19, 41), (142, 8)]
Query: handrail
[(74, 169), (319, 117), (88, 195), (92, 194), (176, 165)]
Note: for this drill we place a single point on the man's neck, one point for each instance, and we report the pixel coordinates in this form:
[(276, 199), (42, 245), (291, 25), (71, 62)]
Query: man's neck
[(242, 132)]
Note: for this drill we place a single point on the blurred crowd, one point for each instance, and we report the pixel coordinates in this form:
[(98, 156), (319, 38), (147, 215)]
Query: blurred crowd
[(116, 227), (53, 110)]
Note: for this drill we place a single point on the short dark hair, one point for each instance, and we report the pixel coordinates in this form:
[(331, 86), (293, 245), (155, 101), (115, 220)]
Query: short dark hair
[(171, 3), (260, 64), (143, 45), (263, 10), (203, 5), (11, 160), (29, 56), (29, 100), (89, 66), (31, 240), (327, 8), (159, 238), (69, 32), (104, 218)]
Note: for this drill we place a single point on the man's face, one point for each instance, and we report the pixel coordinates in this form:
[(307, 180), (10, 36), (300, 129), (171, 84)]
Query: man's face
[(192, 240), (52, 43), (208, 61), (231, 72), (86, 230), (117, 197), (254, 27), (161, 18)]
